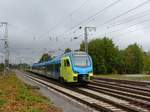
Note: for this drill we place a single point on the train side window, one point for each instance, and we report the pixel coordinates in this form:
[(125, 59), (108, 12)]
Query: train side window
[(66, 63)]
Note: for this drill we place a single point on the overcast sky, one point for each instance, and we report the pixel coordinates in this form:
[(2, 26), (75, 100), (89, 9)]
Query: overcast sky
[(38, 26)]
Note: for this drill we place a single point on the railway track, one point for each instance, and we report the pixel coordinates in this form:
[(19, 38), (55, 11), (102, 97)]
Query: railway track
[(118, 87), (142, 88), (95, 98), (137, 95), (129, 82), (133, 95), (132, 98), (100, 106)]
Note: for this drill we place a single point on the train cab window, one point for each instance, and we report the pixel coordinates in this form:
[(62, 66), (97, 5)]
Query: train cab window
[(66, 63)]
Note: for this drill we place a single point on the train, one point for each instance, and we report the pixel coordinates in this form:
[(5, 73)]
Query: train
[(72, 67)]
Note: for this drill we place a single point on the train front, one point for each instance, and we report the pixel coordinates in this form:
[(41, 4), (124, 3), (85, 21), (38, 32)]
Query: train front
[(82, 66)]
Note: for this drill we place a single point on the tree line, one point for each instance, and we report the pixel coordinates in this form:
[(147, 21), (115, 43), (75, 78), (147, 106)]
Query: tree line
[(47, 56), (15, 66), (108, 58)]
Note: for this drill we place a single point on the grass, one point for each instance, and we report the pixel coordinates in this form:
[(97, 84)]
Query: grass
[(140, 77), (16, 96), (2, 102)]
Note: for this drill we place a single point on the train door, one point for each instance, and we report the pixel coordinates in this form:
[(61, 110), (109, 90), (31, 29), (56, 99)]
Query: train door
[(65, 69), (62, 71)]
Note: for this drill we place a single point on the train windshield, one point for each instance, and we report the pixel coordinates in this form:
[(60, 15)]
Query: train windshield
[(81, 60)]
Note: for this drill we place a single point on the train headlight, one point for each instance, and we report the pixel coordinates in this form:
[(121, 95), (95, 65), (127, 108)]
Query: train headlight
[(75, 78), (91, 77)]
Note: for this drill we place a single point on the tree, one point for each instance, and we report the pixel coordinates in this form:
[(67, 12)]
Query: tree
[(23, 66), (103, 53), (120, 67), (1, 67), (45, 57), (147, 62), (82, 46), (133, 59), (67, 50)]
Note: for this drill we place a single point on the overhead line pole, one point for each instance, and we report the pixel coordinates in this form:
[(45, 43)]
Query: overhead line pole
[(2, 62), (86, 36), (6, 47), (86, 39)]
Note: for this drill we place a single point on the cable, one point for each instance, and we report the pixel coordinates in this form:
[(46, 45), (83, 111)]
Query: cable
[(129, 26), (90, 17), (135, 30), (70, 14), (124, 13), (79, 35), (128, 20), (79, 7), (132, 19), (62, 21), (110, 5)]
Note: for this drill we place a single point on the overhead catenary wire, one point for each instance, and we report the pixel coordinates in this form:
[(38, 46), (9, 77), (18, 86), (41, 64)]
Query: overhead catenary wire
[(79, 7), (97, 13), (112, 20), (58, 24), (116, 17), (80, 35), (141, 22), (125, 13), (131, 18), (122, 33), (62, 21), (110, 5), (128, 11), (92, 16)]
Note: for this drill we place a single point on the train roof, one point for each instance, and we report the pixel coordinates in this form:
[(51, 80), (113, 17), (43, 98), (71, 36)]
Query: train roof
[(57, 59)]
